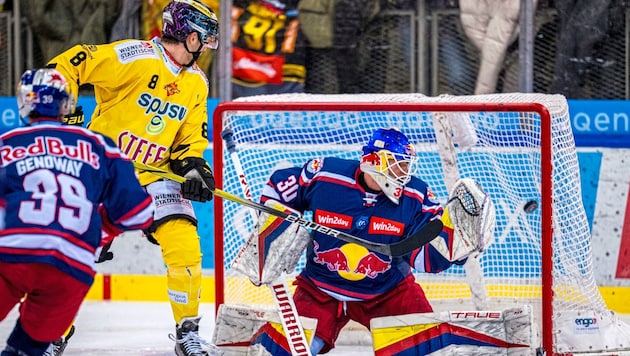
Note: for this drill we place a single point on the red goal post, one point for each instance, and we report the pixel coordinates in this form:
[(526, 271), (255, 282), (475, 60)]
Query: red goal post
[(523, 150)]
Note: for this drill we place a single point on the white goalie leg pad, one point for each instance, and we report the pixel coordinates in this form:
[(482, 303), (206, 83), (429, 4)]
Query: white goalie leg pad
[(508, 332), (273, 248), (472, 216), (238, 326)]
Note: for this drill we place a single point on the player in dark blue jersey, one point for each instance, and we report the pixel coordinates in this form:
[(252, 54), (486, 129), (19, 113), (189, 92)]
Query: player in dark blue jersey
[(376, 199), (56, 178)]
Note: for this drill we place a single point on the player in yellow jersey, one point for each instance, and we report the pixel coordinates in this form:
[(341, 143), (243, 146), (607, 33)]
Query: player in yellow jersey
[(152, 101)]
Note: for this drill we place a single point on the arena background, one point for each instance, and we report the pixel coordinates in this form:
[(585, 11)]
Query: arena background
[(602, 132), (407, 46)]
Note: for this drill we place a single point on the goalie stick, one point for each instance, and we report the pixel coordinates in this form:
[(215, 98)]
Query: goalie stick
[(296, 338), (421, 237)]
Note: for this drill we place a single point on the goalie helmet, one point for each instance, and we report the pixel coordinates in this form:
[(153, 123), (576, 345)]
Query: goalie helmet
[(390, 160), (183, 17), (43, 94)]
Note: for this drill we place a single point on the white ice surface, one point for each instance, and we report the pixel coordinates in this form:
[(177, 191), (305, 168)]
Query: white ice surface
[(135, 329), (142, 328)]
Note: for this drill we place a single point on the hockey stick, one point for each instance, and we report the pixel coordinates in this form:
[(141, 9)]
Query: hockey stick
[(279, 290), (422, 237)]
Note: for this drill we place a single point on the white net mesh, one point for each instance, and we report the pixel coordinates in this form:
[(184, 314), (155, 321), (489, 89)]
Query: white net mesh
[(506, 161)]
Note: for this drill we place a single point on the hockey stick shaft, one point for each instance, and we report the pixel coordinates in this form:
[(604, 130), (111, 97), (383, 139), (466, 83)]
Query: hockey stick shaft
[(230, 145), (279, 290), (429, 231)]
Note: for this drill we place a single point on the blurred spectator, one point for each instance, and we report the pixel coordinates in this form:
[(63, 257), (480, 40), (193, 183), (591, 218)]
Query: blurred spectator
[(455, 64), (127, 24), (152, 18), (7, 5), (317, 23), (268, 48), (544, 25), (60, 24), (355, 48), (491, 25), (351, 21), (336, 53), (386, 48), (606, 81), (582, 24)]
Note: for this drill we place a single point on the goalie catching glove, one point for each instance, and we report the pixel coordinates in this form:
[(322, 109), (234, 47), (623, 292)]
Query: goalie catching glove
[(199, 182), (471, 215), (274, 247)]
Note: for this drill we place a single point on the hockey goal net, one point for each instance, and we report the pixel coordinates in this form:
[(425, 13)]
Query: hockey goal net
[(519, 147)]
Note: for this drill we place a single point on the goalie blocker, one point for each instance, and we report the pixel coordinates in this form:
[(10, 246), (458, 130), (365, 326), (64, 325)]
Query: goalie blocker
[(274, 247)]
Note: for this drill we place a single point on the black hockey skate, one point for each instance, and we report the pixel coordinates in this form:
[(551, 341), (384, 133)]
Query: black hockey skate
[(57, 347), (187, 339)]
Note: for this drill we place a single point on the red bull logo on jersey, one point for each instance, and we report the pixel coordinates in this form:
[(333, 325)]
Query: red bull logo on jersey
[(385, 226), (156, 106), (430, 196), (50, 146), (315, 165), (371, 266), (334, 220), (351, 261), (334, 258)]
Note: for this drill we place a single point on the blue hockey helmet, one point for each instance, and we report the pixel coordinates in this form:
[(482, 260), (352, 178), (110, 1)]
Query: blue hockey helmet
[(389, 139), (390, 159), (183, 17), (43, 93)]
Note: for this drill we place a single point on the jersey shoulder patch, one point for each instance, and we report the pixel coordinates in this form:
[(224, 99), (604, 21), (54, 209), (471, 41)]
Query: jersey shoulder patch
[(314, 165), (129, 51), (334, 168)]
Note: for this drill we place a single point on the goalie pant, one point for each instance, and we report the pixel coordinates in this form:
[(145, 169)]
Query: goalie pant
[(346, 271)]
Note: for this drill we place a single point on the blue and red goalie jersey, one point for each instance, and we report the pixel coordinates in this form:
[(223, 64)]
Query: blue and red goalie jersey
[(55, 178), (329, 188)]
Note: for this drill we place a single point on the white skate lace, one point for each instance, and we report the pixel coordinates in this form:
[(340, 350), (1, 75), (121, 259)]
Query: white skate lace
[(192, 344), (50, 351), (54, 348)]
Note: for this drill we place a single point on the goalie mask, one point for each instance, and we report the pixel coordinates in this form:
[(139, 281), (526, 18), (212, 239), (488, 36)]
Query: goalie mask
[(43, 94), (390, 160)]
